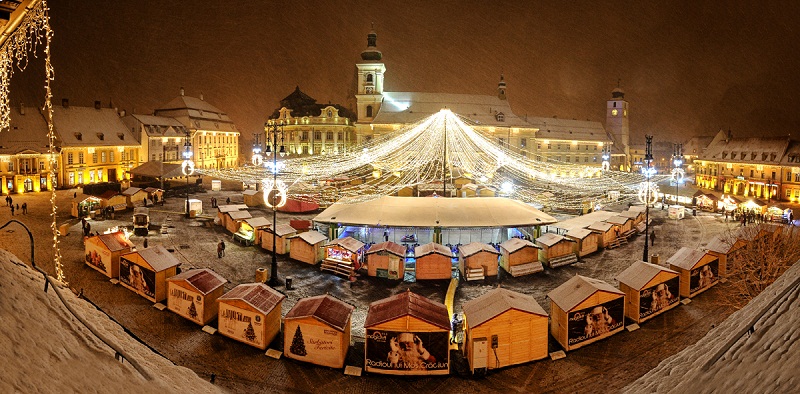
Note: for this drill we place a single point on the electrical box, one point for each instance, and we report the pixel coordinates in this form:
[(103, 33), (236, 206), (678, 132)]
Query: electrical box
[(494, 342)]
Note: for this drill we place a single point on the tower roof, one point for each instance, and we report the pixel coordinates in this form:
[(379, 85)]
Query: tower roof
[(372, 53)]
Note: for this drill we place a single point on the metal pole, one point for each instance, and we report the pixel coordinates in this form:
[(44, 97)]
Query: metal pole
[(272, 138), (444, 161), (648, 157)]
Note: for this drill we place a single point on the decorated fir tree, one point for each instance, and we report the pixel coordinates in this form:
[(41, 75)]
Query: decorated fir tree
[(298, 344), (192, 311), (250, 333)]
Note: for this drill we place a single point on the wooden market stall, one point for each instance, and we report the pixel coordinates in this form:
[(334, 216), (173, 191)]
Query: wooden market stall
[(234, 220), (586, 241), (86, 206), (193, 294), (146, 271), (102, 252), (433, 261), (317, 330), (477, 260), (636, 215), (222, 210), (343, 256), (625, 224), (606, 232), (141, 220), (503, 328), (698, 270), (307, 247), (556, 250), (248, 230), (725, 248), (649, 290), (520, 257), (134, 196), (253, 198), (283, 232), (114, 199), (407, 334), (154, 194), (251, 313), (585, 310), (386, 260)]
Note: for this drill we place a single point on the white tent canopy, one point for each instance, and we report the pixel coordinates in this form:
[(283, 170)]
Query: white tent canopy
[(435, 212)]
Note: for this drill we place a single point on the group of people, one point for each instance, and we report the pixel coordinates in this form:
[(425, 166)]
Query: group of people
[(10, 203), (747, 216)]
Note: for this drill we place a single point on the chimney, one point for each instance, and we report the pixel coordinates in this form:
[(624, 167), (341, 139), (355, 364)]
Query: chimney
[(201, 96), (97, 104), (122, 113), (21, 108), (65, 103), (181, 90), (728, 136)]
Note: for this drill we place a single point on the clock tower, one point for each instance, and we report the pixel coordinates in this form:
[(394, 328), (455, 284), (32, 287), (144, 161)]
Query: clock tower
[(369, 91), (617, 123)]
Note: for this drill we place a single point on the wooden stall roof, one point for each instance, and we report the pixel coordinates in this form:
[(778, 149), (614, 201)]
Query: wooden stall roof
[(407, 303), (584, 221), (258, 295), (686, 257), (722, 244), (494, 302), (107, 195), (231, 208), (640, 273), (239, 215), (578, 289), (600, 226), (550, 239), (630, 214), (768, 227), (131, 191), (390, 247), (153, 189), (258, 222), (476, 247), (348, 243), (432, 247), (281, 230), (579, 233), (141, 211), (203, 280), (515, 244), (115, 241), (157, 257), (619, 220), (329, 310), (251, 192), (637, 208), (311, 237)]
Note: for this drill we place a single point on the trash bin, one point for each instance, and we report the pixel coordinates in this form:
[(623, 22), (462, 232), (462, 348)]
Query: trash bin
[(655, 259), (289, 282), (694, 211), (262, 275)]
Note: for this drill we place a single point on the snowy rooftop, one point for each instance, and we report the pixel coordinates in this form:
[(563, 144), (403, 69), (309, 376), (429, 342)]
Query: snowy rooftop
[(88, 126), (405, 304), (203, 280), (334, 312), (432, 247), (639, 273), (494, 302), (475, 247), (577, 289), (515, 244), (348, 243), (388, 246)]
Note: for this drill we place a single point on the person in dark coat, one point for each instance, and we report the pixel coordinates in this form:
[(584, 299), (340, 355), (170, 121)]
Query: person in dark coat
[(222, 243), (12, 209), (652, 237), (219, 250), (145, 242)]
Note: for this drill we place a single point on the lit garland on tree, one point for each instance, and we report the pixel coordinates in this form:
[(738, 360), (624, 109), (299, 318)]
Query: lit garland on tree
[(411, 157)]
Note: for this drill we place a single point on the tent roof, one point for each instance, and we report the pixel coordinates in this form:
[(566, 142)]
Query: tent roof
[(203, 280), (389, 246), (329, 310), (404, 304), (497, 301), (639, 273), (436, 212), (577, 289)]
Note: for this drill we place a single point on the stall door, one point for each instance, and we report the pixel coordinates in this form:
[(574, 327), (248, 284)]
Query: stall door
[(394, 268), (479, 353)]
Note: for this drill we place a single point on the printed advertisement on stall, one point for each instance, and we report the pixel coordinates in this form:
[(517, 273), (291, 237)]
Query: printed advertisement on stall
[(591, 322), (658, 297), (185, 302), (310, 342), (98, 257), (242, 325), (705, 276), (409, 353), (139, 279)]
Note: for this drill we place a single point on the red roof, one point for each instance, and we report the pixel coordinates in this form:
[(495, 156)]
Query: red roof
[(407, 303), (389, 246), (329, 310)]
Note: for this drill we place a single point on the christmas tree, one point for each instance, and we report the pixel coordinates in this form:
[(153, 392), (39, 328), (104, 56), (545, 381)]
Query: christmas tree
[(250, 333), (298, 345), (192, 311)]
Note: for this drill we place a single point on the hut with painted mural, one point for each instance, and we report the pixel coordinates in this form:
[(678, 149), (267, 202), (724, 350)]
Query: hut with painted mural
[(699, 270), (145, 271), (407, 334), (520, 257), (102, 252), (649, 290), (605, 231), (433, 261), (193, 294), (503, 328), (251, 313), (477, 260), (317, 330), (556, 250), (307, 247), (585, 241), (283, 232), (585, 310), (725, 248), (386, 260)]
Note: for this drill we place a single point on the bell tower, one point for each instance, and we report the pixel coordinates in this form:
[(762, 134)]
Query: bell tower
[(369, 92), (617, 123)]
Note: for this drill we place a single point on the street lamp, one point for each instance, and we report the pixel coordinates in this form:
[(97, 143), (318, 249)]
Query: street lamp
[(648, 173), (257, 158), (187, 167), (677, 172), (274, 192)]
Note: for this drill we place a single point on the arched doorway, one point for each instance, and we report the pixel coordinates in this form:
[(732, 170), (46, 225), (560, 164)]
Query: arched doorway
[(28, 185)]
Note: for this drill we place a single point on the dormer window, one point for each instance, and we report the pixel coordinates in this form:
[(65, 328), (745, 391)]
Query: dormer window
[(772, 157), (763, 157), (753, 156), (101, 136), (733, 155), (121, 136), (79, 136), (500, 117), (724, 154), (330, 113)]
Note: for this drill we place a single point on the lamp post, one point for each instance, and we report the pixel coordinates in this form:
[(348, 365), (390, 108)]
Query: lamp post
[(677, 172), (257, 158), (187, 168), (648, 173), (274, 146)]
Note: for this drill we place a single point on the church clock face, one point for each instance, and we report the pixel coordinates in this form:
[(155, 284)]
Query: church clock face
[(614, 112), (369, 91)]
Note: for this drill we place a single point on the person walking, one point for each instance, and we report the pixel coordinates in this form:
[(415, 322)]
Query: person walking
[(652, 237), (145, 242), (12, 209), (219, 250), (223, 247), (25, 208), (7, 197), (228, 201), (88, 230)]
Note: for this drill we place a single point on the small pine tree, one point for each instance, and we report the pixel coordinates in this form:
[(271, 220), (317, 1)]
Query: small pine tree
[(250, 333), (192, 311), (298, 344)]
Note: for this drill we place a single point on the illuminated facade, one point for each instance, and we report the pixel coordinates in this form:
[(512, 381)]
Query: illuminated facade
[(24, 160), (314, 129), (160, 138), (215, 139)]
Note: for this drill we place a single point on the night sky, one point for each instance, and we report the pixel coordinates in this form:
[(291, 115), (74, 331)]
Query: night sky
[(687, 68)]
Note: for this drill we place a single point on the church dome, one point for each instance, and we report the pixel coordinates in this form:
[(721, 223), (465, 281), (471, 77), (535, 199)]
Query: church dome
[(372, 52), (618, 93)]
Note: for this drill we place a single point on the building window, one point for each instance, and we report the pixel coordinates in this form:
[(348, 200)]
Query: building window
[(369, 80), (80, 160), (797, 177), (788, 193), (304, 136), (501, 141), (788, 177), (595, 147), (369, 111), (500, 117), (339, 136), (751, 173), (69, 159), (111, 156), (71, 178), (94, 158), (103, 157), (523, 142), (330, 113), (100, 175), (317, 136), (548, 146), (773, 175), (567, 159), (586, 159), (329, 135), (80, 177), (91, 176), (10, 166)]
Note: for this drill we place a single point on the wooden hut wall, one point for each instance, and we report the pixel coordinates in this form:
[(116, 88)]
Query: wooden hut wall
[(382, 260), (181, 296), (266, 241), (632, 298), (232, 225), (562, 248), (606, 237), (324, 344), (485, 260), (523, 255), (409, 324), (434, 266), (586, 245), (560, 320), (521, 337), (161, 283), (300, 250), (236, 317), (559, 325)]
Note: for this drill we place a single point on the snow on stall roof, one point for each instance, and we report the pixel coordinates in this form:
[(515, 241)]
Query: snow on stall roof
[(231, 208), (203, 280), (281, 230), (578, 288), (578, 233), (515, 244), (637, 208), (332, 311), (131, 191), (388, 246), (639, 273), (258, 222), (115, 241), (404, 304), (65, 350), (157, 257), (251, 192), (496, 301), (550, 239), (476, 247), (432, 247), (348, 243), (584, 221), (239, 215), (619, 220), (311, 237), (686, 257), (258, 295), (630, 214), (600, 226), (723, 244), (766, 360)]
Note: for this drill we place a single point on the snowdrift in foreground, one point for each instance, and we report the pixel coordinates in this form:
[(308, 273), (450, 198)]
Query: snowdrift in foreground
[(45, 349)]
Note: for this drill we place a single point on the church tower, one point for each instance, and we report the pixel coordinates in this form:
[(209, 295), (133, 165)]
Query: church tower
[(501, 88), (617, 123), (369, 92)]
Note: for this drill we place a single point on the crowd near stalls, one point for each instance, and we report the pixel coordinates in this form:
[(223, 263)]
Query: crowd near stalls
[(145, 272), (649, 290), (503, 328), (317, 330), (585, 310), (433, 261), (477, 260), (520, 257), (386, 260), (251, 313), (283, 233), (699, 270), (103, 251), (193, 294)]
